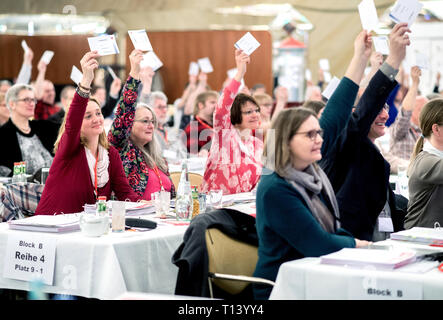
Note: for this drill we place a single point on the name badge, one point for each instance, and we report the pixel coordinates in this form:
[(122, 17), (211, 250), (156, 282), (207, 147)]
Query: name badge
[(30, 256)]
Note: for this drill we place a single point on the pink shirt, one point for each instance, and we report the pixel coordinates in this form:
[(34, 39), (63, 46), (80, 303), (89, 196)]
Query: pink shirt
[(233, 165), (154, 184)]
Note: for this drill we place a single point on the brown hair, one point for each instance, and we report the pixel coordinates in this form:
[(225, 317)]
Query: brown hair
[(313, 105), (262, 97), (276, 152), (102, 138), (432, 113), (239, 101), (202, 97)]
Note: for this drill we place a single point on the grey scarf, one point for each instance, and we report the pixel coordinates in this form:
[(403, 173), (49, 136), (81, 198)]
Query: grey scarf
[(309, 183)]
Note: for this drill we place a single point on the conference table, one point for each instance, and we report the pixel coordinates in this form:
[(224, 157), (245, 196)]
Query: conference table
[(108, 266), (309, 279)]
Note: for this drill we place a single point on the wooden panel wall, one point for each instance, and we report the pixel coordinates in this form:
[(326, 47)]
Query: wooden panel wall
[(68, 52), (177, 49)]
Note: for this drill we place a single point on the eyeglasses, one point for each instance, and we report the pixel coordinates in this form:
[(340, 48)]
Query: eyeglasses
[(251, 112), (28, 100), (146, 122), (312, 134), (162, 107)]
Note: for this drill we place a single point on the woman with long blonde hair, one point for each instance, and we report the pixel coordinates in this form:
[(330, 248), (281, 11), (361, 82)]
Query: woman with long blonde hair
[(85, 166), (425, 206)]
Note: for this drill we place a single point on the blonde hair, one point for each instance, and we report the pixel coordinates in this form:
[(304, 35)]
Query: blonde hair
[(102, 139), (432, 113), (262, 97), (151, 150), (277, 151)]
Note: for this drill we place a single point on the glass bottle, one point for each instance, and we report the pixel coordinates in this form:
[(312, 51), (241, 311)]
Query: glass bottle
[(183, 203)]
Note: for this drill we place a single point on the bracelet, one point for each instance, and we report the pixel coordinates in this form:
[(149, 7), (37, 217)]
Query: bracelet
[(82, 93), (84, 88)]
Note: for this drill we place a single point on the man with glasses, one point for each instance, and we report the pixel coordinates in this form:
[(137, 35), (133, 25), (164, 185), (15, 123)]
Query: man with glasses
[(24, 139)]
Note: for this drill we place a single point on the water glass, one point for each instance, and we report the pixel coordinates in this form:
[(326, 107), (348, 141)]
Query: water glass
[(202, 202), (162, 202), (118, 216), (215, 198), (45, 172)]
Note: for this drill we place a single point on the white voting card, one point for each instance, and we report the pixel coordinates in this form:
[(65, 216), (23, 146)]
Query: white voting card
[(368, 15), (25, 46), (333, 84), (76, 75), (193, 69), (231, 73), (421, 60), (104, 45), (111, 72), (47, 56), (140, 40), (308, 75), (405, 11), (323, 64), (205, 65), (248, 44), (381, 44), (150, 59)]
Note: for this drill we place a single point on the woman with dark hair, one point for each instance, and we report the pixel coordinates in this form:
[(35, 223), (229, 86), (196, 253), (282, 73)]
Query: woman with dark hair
[(234, 163), (297, 212), (425, 206), (85, 166)]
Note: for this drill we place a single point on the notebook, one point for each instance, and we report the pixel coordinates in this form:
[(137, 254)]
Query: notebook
[(430, 236), (43, 223)]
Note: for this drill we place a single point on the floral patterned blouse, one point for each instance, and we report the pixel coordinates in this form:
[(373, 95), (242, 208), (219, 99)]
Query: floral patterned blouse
[(233, 165), (134, 163)]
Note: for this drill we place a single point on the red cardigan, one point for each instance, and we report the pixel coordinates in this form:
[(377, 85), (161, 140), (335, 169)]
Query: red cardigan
[(69, 185)]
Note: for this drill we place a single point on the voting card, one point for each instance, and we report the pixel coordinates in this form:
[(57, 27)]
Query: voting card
[(324, 64), (421, 60), (405, 11), (111, 72), (248, 44), (368, 15), (104, 45), (205, 65), (193, 69), (76, 75), (333, 84), (231, 73), (25, 46), (308, 75), (150, 59), (47, 56), (140, 40), (381, 44)]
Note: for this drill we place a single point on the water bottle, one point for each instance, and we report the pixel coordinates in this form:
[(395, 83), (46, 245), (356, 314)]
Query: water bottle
[(183, 203), (23, 179), (16, 173)]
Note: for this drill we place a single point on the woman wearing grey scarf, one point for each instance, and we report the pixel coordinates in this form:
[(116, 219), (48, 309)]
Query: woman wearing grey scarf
[(297, 212)]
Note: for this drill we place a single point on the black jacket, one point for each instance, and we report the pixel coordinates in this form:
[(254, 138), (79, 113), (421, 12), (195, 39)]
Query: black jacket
[(358, 172), (192, 258), (45, 130)]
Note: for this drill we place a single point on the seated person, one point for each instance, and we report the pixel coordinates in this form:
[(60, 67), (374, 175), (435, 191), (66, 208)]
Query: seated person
[(265, 103), (133, 134), (425, 206), (45, 94), (317, 106), (234, 160), (4, 111), (5, 85), (66, 97), (297, 212), (199, 131), (405, 130), (85, 166), (23, 139)]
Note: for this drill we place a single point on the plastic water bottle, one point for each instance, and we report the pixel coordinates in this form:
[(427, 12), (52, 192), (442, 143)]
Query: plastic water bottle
[(16, 173), (183, 203), (23, 179)]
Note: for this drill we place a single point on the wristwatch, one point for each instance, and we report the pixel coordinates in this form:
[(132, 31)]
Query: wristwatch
[(82, 93)]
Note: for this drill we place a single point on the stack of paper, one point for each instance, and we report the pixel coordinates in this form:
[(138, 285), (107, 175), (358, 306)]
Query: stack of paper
[(136, 208), (380, 259), (420, 235), (43, 223)]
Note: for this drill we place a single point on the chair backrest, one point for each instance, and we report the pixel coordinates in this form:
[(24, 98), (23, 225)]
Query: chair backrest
[(230, 256), (194, 178)]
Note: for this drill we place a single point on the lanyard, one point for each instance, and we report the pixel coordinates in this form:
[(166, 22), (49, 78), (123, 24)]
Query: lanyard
[(156, 171), (204, 124), (95, 177)]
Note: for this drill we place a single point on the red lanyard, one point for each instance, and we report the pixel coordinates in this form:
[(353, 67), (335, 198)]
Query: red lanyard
[(156, 171), (95, 176), (204, 124)]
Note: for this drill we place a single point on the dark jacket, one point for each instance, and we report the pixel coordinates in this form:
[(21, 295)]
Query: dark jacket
[(192, 258), (358, 172), (45, 130)]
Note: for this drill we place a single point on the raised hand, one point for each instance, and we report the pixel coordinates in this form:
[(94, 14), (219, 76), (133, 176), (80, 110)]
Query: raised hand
[(398, 40), (88, 64), (376, 60), (241, 60), (135, 58), (115, 87), (415, 75), (363, 45), (28, 56)]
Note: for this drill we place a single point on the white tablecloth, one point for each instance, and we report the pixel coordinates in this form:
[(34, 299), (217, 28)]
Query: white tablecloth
[(110, 265), (307, 279)]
